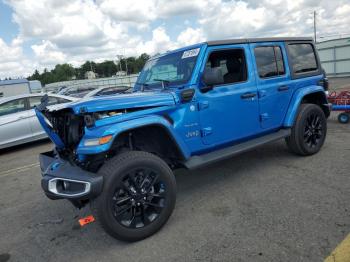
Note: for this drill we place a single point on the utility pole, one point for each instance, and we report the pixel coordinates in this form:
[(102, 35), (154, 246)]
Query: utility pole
[(315, 26), (91, 67), (126, 65), (120, 61), (126, 61)]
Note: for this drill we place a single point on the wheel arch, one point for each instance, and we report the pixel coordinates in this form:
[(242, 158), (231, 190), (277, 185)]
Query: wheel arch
[(153, 138), (312, 95), (318, 98), (156, 130), (119, 129)]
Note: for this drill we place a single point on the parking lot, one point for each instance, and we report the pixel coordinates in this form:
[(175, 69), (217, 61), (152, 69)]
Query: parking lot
[(264, 205)]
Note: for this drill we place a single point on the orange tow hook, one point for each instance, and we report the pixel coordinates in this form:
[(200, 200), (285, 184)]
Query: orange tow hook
[(86, 220)]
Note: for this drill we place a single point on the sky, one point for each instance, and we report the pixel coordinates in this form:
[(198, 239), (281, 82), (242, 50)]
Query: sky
[(38, 34)]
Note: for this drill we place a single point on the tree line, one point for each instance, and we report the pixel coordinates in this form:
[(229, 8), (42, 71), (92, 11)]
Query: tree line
[(108, 68)]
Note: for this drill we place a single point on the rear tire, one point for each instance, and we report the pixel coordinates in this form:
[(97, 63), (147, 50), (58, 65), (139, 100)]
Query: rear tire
[(138, 196), (309, 130), (344, 118)]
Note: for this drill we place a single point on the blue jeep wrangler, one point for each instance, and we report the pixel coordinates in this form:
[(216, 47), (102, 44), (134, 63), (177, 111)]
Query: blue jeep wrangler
[(189, 108)]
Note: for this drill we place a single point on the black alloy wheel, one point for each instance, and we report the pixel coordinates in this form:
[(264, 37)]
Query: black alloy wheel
[(140, 199), (309, 130), (313, 130), (138, 196)]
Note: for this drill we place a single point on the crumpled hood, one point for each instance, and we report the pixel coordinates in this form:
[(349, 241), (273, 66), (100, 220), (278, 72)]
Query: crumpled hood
[(124, 101)]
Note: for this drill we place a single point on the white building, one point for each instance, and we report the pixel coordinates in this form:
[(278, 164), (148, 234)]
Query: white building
[(90, 75), (335, 56), (121, 73)]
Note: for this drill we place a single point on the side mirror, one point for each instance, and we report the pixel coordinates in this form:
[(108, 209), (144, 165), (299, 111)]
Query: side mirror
[(212, 76)]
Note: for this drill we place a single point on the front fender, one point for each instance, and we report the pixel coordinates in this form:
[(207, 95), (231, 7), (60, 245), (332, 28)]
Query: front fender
[(120, 127), (296, 101)]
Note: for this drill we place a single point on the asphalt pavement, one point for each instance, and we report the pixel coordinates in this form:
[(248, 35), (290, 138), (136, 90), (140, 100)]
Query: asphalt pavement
[(264, 205)]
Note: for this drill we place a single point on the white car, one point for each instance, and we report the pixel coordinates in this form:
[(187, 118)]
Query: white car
[(18, 122)]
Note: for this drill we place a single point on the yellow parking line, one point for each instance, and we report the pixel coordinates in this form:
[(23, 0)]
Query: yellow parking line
[(341, 253), (18, 169)]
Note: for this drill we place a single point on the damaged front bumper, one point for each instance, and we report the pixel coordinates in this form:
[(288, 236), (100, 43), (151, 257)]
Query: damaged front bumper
[(63, 180)]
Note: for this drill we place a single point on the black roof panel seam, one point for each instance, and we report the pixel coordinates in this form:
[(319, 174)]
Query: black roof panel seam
[(258, 40)]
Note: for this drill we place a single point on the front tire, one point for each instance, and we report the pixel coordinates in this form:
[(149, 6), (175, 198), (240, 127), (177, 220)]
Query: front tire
[(138, 196), (309, 130)]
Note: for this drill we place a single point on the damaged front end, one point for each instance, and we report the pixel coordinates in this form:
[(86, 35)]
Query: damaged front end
[(64, 128), (84, 135), (62, 175)]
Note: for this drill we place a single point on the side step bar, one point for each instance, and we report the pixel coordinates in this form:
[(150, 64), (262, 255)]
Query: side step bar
[(209, 158)]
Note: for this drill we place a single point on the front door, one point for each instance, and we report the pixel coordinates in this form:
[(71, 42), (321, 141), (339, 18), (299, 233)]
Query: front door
[(229, 111)]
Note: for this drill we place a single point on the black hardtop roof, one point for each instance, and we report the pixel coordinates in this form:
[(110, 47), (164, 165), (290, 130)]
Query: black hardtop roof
[(258, 40)]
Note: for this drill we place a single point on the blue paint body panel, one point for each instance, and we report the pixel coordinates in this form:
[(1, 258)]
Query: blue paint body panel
[(117, 128), (298, 96), (139, 99), (51, 134), (273, 104), (211, 120), (225, 123)]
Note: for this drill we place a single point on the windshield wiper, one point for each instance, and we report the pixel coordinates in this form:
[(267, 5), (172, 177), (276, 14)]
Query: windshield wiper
[(163, 82), (123, 91)]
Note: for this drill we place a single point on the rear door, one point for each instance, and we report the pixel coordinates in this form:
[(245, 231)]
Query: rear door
[(14, 122), (273, 82)]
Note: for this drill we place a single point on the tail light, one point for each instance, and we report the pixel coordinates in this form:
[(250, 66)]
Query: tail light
[(325, 83)]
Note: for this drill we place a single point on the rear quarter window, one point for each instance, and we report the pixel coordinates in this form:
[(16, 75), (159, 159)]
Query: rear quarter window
[(303, 58), (62, 100)]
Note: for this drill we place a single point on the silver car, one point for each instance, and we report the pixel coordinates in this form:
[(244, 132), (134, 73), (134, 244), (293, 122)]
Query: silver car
[(76, 91), (107, 91), (18, 122)]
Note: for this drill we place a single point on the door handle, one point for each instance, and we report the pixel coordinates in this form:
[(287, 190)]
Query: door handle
[(248, 95), (282, 88)]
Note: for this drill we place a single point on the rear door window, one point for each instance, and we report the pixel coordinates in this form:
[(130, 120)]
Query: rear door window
[(303, 58), (34, 101), (56, 100), (62, 100), (269, 61)]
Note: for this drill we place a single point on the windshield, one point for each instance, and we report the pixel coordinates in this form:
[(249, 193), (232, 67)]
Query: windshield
[(173, 69)]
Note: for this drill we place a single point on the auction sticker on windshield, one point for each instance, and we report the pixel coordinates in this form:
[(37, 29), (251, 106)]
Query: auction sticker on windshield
[(190, 53)]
